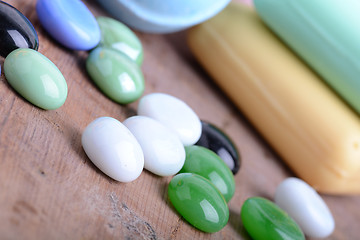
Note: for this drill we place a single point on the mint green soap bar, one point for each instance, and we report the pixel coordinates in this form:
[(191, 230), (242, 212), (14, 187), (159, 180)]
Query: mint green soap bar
[(35, 78), (199, 202), (263, 219), (209, 165), (116, 35), (117, 76), (325, 34)]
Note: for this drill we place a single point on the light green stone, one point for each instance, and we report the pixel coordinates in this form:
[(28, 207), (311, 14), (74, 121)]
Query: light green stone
[(263, 219), (116, 35), (208, 164), (35, 78), (117, 76), (199, 202)]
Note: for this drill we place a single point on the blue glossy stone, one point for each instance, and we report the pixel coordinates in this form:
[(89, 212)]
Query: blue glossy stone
[(69, 22), (217, 141), (16, 31)]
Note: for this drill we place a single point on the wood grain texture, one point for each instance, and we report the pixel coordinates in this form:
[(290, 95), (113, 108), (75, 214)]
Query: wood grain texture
[(49, 189)]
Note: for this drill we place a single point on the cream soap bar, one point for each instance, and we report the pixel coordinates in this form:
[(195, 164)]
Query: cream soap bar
[(314, 132), (325, 34)]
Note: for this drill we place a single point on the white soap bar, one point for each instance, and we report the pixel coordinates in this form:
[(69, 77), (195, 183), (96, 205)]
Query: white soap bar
[(306, 207), (164, 153), (113, 149), (173, 113)]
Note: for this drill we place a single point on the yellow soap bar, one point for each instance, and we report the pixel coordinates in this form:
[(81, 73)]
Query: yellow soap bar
[(311, 128)]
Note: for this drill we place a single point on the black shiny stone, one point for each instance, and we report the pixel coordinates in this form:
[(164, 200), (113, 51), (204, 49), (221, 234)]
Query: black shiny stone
[(16, 31), (217, 141)]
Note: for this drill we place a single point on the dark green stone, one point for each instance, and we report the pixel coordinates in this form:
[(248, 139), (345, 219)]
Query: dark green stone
[(199, 202), (206, 163), (263, 219)]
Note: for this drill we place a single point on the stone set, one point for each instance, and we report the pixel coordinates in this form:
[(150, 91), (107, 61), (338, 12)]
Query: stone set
[(113, 63), (298, 210), (161, 138), (38, 80)]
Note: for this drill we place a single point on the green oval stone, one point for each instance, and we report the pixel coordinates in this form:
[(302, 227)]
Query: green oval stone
[(118, 36), (117, 76), (199, 202), (263, 219), (209, 165), (35, 78)]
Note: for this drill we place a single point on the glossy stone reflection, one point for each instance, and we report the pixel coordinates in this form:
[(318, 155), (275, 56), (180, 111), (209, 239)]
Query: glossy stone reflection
[(116, 35), (117, 76), (263, 219), (16, 31), (217, 141), (206, 163), (35, 78), (199, 202)]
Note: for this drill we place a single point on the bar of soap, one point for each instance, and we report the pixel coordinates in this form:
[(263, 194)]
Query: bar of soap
[(314, 132), (325, 34)]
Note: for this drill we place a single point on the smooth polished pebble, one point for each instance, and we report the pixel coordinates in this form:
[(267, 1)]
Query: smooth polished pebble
[(306, 207), (159, 16), (16, 30), (199, 202), (69, 22), (207, 164), (116, 75), (113, 149), (116, 35), (263, 219), (35, 78), (173, 113), (164, 154), (217, 141)]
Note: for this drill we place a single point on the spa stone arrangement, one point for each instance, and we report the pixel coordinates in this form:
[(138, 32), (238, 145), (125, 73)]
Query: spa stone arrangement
[(166, 137)]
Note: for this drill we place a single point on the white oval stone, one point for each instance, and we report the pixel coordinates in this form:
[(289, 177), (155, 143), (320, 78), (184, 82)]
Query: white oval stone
[(173, 113), (113, 149), (164, 153), (306, 207)]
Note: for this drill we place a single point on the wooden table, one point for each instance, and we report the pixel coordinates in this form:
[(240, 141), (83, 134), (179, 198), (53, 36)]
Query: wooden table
[(51, 190)]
